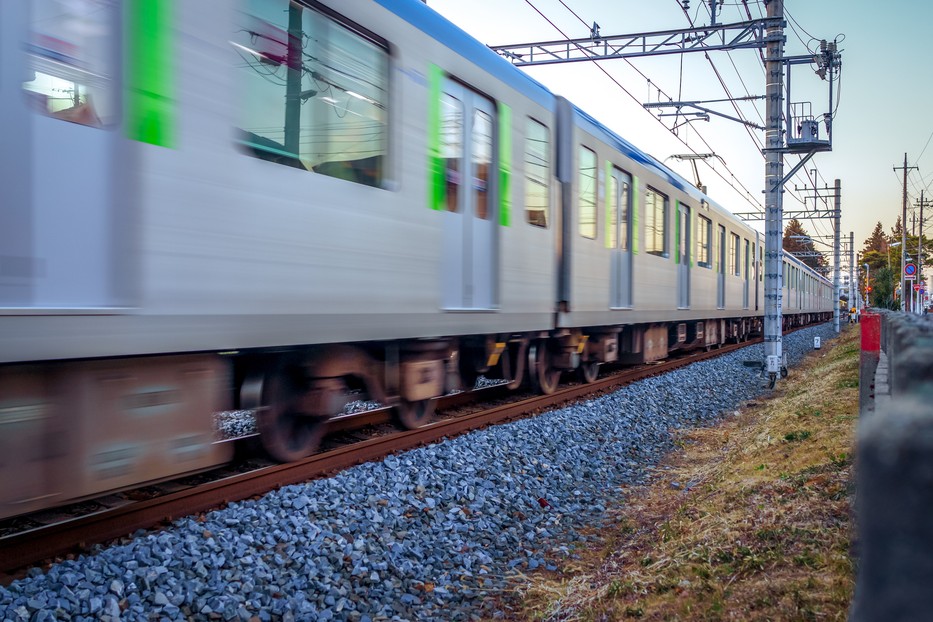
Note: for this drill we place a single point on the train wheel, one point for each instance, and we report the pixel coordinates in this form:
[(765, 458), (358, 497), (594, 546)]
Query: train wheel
[(589, 372), (413, 415), (286, 433), (544, 377)]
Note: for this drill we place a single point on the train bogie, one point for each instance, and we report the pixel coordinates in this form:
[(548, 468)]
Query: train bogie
[(78, 429)]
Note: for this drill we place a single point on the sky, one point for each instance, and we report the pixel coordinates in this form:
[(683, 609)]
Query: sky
[(880, 102)]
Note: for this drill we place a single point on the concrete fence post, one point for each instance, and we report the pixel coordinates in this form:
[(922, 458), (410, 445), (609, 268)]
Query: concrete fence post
[(868, 361), (895, 514)]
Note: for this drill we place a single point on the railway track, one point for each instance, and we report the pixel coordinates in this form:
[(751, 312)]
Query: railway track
[(73, 535)]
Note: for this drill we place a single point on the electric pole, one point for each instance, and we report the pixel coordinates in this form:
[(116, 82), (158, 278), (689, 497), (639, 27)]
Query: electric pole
[(918, 307), (836, 256), (904, 168), (774, 173), (853, 290)]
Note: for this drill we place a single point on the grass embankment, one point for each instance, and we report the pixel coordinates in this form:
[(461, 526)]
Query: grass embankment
[(750, 520)]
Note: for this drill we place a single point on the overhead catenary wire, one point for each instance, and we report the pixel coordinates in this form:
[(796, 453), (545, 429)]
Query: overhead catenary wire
[(748, 196), (755, 139)]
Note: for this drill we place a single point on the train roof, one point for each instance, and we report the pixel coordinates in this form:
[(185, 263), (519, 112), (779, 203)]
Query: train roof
[(429, 21), (599, 130), (433, 24)]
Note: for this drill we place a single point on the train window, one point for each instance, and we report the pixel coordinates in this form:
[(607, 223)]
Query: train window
[(735, 263), (536, 173), (452, 149), (618, 204), (704, 233), (482, 160), (315, 90), (587, 193), (72, 60), (656, 206)]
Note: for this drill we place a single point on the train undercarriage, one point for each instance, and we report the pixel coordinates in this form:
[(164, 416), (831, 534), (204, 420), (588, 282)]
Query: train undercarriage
[(76, 429)]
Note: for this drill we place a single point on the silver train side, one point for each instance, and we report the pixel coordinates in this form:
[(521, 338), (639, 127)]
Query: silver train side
[(278, 206)]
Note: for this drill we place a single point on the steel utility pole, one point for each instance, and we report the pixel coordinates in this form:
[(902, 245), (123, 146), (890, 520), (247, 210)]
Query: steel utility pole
[(774, 173), (904, 168)]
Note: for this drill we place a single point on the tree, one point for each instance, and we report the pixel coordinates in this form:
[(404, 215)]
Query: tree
[(884, 261), (876, 241), (896, 230), (798, 242)]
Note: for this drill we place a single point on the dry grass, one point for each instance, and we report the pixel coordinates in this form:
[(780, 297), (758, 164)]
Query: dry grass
[(758, 529)]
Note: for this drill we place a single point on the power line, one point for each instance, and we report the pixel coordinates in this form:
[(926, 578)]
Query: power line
[(748, 195)]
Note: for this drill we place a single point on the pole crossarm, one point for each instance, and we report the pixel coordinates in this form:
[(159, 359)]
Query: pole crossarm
[(704, 109), (788, 215), (741, 35)]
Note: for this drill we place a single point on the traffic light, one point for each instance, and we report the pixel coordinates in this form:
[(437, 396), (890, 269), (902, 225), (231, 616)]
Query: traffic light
[(868, 289)]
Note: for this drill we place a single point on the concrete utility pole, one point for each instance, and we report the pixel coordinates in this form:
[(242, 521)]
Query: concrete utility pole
[(920, 260), (904, 168), (774, 173), (836, 257), (853, 290)]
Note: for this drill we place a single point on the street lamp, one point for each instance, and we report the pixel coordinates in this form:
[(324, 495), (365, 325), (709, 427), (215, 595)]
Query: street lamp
[(890, 246)]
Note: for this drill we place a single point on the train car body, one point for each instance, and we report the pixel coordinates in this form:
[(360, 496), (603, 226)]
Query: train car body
[(276, 205)]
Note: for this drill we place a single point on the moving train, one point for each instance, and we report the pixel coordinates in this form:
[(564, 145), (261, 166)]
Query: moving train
[(279, 205)]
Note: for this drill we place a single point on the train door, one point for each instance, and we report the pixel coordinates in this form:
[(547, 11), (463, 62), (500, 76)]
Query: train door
[(70, 85), (620, 239), (747, 272), (470, 254), (683, 256), (721, 272)]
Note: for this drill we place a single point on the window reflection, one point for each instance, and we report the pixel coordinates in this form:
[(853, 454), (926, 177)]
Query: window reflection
[(71, 60), (315, 91), (587, 198), (704, 232), (482, 160), (536, 173), (452, 148), (655, 222)]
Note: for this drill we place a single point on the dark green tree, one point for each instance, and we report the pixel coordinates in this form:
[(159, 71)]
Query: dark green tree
[(799, 243)]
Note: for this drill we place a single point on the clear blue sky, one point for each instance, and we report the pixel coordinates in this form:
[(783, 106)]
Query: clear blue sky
[(881, 108)]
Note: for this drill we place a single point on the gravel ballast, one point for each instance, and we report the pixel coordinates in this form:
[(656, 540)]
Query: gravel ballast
[(426, 535)]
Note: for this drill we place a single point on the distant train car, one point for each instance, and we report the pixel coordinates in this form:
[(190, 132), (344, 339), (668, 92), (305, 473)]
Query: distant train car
[(280, 205)]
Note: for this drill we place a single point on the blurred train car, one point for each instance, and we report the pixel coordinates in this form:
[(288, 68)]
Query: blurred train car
[(280, 205)]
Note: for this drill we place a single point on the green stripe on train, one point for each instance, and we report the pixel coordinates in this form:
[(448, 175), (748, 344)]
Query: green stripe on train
[(676, 252), (436, 181), (691, 224), (150, 104), (505, 164)]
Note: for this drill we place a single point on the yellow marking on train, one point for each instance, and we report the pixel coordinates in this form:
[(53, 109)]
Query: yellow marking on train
[(493, 359)]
